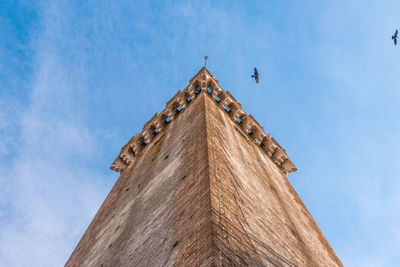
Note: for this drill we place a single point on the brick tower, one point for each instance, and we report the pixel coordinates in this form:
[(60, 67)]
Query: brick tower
[(203, 185)]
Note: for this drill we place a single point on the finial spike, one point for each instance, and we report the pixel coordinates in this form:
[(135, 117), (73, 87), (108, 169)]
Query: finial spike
[(205, 59)]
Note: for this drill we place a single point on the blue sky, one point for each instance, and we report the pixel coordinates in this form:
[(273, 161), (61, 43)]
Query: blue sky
[(79, 79)]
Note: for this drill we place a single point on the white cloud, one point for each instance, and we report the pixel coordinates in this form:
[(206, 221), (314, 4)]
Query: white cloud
[(49, 191)]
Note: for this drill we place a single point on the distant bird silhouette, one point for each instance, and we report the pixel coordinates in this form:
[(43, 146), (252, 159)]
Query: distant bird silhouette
[(395, 36), (256, 75)]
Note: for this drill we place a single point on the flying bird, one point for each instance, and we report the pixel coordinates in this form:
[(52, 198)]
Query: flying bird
[(256, 75), (395, 36)]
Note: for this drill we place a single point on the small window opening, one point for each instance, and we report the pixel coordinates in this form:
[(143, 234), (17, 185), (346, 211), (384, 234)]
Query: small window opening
[(156, 131), (217, 99), (145, 142), (179, 109), (130, 150), (198, 90), (166, 156), (189, 99), (167, 120), (250, 132), (239, 120), (209, 91), (227, 109), (261, 144)]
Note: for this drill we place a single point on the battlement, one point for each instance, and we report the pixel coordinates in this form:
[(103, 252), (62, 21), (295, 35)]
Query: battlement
[(203, 83)]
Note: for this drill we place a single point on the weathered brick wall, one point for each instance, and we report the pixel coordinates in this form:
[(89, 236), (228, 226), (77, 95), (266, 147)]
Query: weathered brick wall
[(202, 193), (158, 212), (258, 219)]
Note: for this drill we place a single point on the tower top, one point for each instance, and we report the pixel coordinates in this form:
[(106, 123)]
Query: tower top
[(203, 83), (203, 185)]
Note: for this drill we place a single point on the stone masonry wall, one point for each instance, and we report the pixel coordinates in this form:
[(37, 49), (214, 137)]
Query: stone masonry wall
[(159, 212), (203, 189), (258, 219)]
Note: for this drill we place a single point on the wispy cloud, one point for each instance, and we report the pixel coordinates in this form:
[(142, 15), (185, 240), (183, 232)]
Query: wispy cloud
[(49, 191), (86, 76)]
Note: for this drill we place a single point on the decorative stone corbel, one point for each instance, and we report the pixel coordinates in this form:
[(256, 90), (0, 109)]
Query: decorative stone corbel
[(288, 166), (268, 146), (216, 92), (225, 101), (118, 165), (239, 114), (279, 156)]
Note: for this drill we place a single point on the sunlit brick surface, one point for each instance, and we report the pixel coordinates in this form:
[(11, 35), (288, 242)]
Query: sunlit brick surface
[(203, 193)]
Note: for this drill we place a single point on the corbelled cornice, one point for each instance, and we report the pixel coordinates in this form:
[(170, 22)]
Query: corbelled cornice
[(203, 83)]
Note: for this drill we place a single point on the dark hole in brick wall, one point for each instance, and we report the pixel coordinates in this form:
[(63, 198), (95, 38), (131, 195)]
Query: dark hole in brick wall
[(138, 185), (127, 189), (294, 233), (175, 244), (183, 177), (166, 156), (144, 143), (130, 150)]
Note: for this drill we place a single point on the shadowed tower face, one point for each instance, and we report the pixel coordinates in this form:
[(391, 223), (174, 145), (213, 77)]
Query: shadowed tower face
[(203, 185)]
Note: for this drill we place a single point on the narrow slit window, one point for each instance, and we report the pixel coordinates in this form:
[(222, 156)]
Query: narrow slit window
[(209, 91), (198, 90), (261, 144), (179, 109), (167, 120), (250, 132), (189, 99), (239, 120), (217, 99), (145, 142), (156, 131), (227, 109)]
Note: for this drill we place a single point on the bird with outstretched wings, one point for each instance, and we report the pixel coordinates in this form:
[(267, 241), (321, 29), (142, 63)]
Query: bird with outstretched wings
[(395, 36), (256, 76)]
